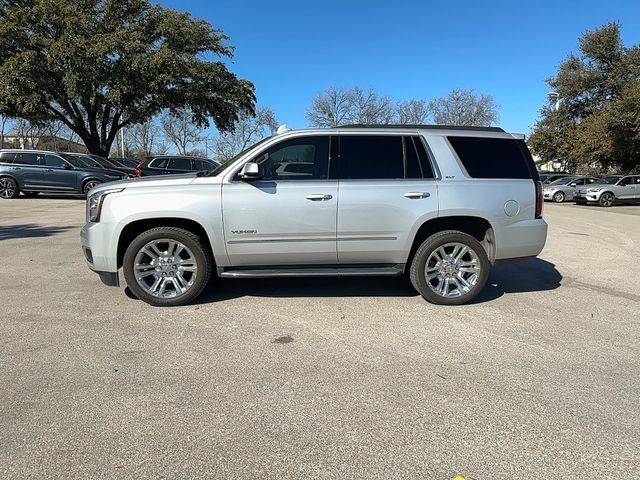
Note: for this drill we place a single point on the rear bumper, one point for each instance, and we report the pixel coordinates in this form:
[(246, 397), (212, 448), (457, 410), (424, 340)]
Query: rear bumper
[(522, 239)]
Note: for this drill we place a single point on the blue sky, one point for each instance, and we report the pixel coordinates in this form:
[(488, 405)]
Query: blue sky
[(292, 50)]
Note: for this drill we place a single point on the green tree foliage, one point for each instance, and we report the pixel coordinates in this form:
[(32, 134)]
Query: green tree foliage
[(99, 65), (598, 120)]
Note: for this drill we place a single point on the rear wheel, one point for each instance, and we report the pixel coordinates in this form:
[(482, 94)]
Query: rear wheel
[(167, 266), (606, 199), (558, 197), (450, 268), (8, 188)]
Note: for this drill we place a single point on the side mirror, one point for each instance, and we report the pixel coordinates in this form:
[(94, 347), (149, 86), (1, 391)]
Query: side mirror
[(574, 184), (250, 171)]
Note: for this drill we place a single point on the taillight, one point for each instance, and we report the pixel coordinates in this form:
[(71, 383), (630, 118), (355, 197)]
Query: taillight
[(539, 199), (138, 171)]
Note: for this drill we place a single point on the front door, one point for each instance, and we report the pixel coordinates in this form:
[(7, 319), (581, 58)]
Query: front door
[(387, 185), (626, 189), (288, 217), (59, 176)]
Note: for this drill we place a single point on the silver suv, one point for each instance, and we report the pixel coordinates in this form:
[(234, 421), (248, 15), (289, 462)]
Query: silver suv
[(610, 190), (443, 203)]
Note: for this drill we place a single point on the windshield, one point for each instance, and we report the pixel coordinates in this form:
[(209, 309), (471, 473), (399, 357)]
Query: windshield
[(610, 180), (563, 181), (104, 162), (223, 166), (75, 161)]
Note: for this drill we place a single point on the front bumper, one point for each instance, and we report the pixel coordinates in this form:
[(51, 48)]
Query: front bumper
[(97, 240), (586, 197)]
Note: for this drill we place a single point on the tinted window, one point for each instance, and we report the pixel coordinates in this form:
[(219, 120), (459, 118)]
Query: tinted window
[(492, 157), (159, 163), (204, 165), (7, 157), (418, 165), (305, 158), (27, 159), (53, 161), (179, 164), (626, 181), (371, 157)]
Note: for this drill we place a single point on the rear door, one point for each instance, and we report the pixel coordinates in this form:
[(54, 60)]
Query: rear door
[(33, 170), (387, 187)]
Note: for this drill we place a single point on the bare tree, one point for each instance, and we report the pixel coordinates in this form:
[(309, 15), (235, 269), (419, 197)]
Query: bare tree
[(181, 130), (370, 108), (337, 106), (144, 138), (464, 107), (4, 122), (331, 108), (412, 112), (247, 131)]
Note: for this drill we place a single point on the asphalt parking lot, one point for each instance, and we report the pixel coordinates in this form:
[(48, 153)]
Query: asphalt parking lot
[(322, 378)]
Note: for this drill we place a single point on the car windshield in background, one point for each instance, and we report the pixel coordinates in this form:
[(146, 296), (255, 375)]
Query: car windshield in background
[(75, 161), (610, 180), (225, 164), (88, 160), (563, 181)]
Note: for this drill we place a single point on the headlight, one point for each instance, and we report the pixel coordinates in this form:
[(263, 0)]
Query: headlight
[(593, 189), (94, 203)]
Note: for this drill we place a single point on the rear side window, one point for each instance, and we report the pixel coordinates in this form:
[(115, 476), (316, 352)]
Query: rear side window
[(179, 164), (28, 159), (371, 157), (494, 157)]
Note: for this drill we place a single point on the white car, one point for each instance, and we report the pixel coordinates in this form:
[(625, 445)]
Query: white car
[(565, 188)]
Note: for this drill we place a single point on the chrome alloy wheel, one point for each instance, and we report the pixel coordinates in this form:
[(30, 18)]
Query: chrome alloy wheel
[(452, 270), (165, 268), (90, 184), (7, 188)]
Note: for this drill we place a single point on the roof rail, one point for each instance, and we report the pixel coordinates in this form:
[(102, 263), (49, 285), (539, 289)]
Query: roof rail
[(428, 127)]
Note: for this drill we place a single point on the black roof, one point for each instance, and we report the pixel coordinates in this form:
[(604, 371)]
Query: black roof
[(429, 127)]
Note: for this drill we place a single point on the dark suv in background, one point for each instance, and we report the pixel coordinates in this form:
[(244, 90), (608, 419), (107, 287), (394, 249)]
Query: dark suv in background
[(35, 171), (173, 164)]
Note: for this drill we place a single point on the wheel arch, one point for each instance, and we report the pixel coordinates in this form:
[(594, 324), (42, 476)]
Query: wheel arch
[(478, 227), (136, 227)]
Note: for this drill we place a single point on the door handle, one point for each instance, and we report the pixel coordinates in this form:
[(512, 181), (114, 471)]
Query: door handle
[(416, 195), (318, 197)]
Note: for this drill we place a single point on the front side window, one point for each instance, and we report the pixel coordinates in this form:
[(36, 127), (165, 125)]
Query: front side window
[(303, 158), (626, 181), (53, 161)]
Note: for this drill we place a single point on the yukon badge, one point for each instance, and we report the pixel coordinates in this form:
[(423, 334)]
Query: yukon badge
[(241, 232)]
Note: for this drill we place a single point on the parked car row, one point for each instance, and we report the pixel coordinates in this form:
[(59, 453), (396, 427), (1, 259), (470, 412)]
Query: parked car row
[(604, 191), (31, 172)]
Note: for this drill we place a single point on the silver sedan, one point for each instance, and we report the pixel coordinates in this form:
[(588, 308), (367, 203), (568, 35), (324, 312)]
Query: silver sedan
[(565, 188)]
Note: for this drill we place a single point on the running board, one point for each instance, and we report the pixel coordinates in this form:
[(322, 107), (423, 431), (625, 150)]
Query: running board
[(352, 271)]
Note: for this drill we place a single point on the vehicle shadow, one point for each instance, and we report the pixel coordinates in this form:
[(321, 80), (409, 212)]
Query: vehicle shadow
[(31, 230), (535, 275), (53, 196), (528, 276)]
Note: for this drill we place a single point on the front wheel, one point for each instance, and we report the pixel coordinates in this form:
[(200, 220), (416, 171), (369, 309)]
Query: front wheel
[(606, 199), (89, 184), (167, 266), (558, 197), (450, 268)]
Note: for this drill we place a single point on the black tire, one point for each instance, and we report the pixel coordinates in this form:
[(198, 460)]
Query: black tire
[(9, 188), (201, 253), (30, 194), (89, 184), (429, 246), (606, 199), (558, 197)]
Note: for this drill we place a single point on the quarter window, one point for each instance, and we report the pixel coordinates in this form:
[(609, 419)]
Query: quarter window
[(7, 157), (493, 157)]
